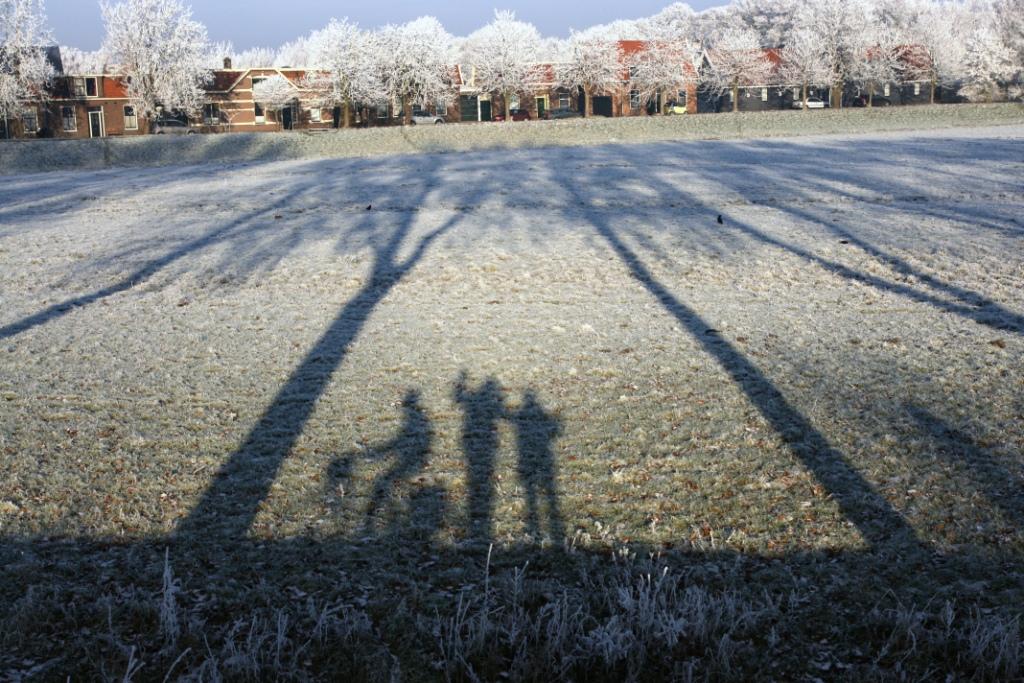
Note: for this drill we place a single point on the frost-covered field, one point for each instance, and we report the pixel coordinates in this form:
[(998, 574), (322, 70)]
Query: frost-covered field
[(352, 399)]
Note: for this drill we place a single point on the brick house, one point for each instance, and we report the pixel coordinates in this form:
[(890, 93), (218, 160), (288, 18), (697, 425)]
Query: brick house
[(775, 94), (91, 106), (620, 101), (230, 106)]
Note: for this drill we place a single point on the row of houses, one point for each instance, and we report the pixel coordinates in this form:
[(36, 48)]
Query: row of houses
[(97, 105)]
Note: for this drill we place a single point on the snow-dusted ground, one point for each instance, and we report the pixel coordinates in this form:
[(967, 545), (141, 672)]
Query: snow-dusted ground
[(835, 365)]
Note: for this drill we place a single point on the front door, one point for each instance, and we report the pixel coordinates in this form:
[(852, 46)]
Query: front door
[(469, 108), (542, 107), (96, 124), (286, 118), (485, 110)]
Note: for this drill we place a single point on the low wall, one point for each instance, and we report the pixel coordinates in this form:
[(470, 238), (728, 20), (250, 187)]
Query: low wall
[(30, 156)]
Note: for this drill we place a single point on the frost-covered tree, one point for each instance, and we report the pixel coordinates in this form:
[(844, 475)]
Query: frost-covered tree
[(344, 73), (593, 65), (803, 63), (736, 57), (1009, 16), (217, 52), (711, 22), (415, 63), (254, 58), (505, 57), (162, 52), (881, 59), (772, 20), (77, 62), (25, 71), (275, 93), (663, 67), (294, 54), (674, 23), (621, 29), (988, 64), (841, 27), (939, 45)]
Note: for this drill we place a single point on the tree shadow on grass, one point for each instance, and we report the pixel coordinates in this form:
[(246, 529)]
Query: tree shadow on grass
[(233, 498), (227, 577), (880, 525), (963, 302), (1001, 486)]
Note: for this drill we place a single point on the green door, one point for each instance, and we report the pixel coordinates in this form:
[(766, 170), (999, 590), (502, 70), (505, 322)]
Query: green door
[(485, 111), (468, 108), (541, 109)]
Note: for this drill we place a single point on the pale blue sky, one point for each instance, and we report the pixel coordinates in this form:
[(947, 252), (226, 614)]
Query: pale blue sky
[(272, 22)]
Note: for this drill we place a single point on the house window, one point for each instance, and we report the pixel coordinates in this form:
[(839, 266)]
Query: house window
[(886, 90), (261, 116), (315, 115), (634, 99), (563, 100), (514, 102), (764, 94), (440, 109), (211, 114), (382, 111), (30, 120), (796, 93), (85, 87), (70, 121), (917, 88), (131, 119)]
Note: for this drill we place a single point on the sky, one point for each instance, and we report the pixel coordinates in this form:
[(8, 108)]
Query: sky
[(270, 23)]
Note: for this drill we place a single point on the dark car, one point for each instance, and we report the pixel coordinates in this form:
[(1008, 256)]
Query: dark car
[(517, 115), (564, 113), (876, 101)]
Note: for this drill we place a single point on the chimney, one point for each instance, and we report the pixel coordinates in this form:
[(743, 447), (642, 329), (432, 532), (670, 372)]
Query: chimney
[(227, 62)]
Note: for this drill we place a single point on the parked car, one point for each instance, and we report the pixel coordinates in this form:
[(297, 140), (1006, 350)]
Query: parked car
[(812, 103), (171, 127), (517, 115), (876, 101), (675, 108), (563, 113), (422, 118)]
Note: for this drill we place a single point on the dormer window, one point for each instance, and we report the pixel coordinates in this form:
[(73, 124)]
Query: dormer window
[(85, 87)]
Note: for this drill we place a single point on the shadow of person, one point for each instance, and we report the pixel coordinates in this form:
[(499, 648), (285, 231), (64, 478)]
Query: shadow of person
[(411, 451), (536, 431), (482, 408)]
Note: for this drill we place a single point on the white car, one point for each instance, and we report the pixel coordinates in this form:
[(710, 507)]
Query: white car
[(422, 118), (812, 103)]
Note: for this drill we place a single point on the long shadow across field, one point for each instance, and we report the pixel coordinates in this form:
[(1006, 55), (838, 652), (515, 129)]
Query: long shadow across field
[(961, 301), (214, 554), (232, 500), (874, 517)]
